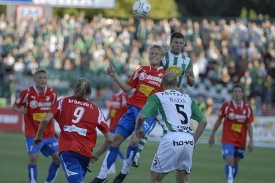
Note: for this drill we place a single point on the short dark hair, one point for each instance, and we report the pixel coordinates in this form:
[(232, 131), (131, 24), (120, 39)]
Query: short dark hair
[(238, 85), (40, 71), (176, 35)]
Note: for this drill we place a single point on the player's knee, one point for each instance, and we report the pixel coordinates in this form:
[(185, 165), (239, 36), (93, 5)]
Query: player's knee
[(153, 180), (33, 159), (56, 159), (117, 140), (236, 161), (134, 140)]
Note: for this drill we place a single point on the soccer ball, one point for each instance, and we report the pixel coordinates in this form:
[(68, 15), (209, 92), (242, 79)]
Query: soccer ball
[(141, 8)]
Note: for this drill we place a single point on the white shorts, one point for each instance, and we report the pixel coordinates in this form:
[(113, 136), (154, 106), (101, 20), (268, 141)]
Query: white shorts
[(175, 151)]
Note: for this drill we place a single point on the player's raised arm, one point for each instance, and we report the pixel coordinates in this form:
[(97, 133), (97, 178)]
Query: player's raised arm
[(111, 71)]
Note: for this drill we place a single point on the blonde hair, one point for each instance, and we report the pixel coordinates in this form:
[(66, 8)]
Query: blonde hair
[(160, 48), (82, 88)]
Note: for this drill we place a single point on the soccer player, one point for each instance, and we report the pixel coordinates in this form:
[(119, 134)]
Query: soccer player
[(182, 66), (146, 81), (238, 117), (173, 110), (174, 61), (34, 103), (117, 105), (78, 119)]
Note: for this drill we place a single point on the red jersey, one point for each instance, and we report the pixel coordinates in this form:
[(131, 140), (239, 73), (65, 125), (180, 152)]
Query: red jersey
[(37, 105), (117, 106), (78, 120), (147, 81), (235, 120)]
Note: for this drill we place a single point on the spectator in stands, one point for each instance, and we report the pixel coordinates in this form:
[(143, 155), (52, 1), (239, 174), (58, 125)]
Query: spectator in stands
[(201, 104), (232, 46), (210, 106)]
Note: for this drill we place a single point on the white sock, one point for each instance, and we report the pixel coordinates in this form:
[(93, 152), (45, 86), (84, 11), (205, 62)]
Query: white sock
[(230, 178), (127, 165), (104, 170)]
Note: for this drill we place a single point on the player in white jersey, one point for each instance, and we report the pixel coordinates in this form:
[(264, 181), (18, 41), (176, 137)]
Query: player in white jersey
[(173, 110), (182, 66)]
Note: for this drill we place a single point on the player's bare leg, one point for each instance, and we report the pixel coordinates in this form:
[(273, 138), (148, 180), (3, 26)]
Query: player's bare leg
[(157, 177), (182, 176)]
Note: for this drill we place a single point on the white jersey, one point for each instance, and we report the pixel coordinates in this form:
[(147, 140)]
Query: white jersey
[(173, 110), (177, 64)]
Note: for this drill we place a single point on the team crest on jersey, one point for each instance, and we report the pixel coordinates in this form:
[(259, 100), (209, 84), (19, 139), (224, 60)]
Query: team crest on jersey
[(142, 76), (47, 98), (231, 116), (160, 75), (175, 70), (244, 112), (33, 104)]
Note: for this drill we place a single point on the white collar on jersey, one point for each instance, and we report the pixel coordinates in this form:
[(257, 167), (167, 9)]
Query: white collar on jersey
[(36, 90), (235, 105)]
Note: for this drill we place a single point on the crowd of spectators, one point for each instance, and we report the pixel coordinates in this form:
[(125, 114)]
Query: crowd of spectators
[(223, 50)]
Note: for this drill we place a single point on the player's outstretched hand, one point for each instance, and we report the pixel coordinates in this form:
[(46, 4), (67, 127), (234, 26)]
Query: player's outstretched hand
[(211, 141), (37, 141), (111, 70), (94, 158), (189, 72)]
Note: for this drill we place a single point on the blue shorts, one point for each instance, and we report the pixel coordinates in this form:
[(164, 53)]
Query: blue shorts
[(74, 165), (230, 150), (127, 122), (47, 146)]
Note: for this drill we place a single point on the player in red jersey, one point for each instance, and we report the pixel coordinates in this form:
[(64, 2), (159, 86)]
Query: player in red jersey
[(78, 119), (147, 81), (34, 103), (117, 108), (237, 117)]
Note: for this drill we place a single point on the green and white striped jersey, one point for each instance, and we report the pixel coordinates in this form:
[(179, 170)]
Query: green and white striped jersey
[(173, 110), (177, 64)]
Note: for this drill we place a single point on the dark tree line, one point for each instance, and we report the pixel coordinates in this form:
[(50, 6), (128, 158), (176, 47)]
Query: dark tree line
[(225, 8)]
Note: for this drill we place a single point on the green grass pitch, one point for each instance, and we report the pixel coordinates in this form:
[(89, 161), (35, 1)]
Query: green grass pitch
[(208, 166)]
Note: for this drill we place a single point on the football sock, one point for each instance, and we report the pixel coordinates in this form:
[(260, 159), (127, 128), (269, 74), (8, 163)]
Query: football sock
[(229, 173), (32, 169), (121, 156), (109, 159), (235, 171), (142, 143), (131, 152), (53, 170)]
